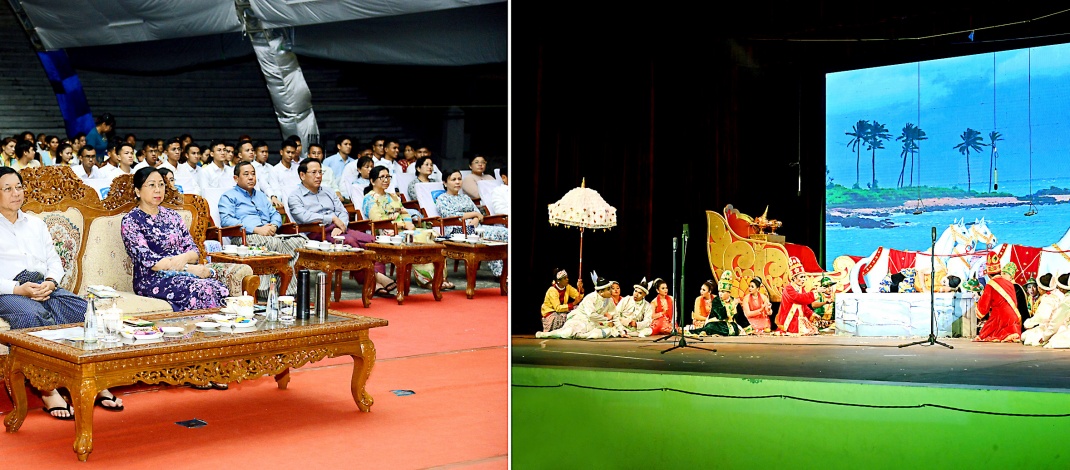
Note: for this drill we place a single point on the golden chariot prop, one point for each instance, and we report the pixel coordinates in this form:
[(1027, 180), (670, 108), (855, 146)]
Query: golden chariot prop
[(738, 242)]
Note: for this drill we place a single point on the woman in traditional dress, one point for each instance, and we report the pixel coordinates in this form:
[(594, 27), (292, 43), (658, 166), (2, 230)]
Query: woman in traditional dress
[(663, 309), (703, 304), (454, 203), (719, 318), (615, 296), (757, 307), (165, 258)]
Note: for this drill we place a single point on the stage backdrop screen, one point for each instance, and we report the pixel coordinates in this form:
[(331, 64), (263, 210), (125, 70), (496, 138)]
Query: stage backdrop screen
[(922, 144)]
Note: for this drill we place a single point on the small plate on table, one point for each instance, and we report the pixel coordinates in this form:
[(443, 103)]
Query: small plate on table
[(207, 325), (141, 333), (172, 330)]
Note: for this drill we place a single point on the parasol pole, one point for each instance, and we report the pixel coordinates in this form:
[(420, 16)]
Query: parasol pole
[(580, 275)]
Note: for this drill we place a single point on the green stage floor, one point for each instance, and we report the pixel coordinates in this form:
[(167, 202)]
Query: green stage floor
[(818, 402)]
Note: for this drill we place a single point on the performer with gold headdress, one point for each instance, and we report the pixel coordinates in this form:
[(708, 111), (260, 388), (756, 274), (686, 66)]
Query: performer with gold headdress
[(634, 313), (999, 306), (719, 320), (796, 305)]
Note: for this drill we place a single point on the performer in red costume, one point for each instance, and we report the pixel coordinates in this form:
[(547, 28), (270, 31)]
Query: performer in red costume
[(796, 306), (663, 309), (999, 304)]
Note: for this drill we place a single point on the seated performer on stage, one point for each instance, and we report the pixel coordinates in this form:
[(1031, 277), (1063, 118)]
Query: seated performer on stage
[(615, 295), (1032, 296), (663, 309), (30, 295), (720, 320), (1039, 327), (757, 307), (560, 299), (999, 306), (702, 304), (592, 318), (1010, 270), (823, 315), (634, 313), (1060, 339), (796, 306)]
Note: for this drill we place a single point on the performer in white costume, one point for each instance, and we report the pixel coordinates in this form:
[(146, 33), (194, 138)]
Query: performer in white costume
[(634, 314), (1060, 318), (1037, 326), (593, 318)]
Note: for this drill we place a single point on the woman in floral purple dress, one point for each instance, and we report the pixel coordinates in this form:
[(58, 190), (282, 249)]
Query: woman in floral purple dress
[(164, 255)]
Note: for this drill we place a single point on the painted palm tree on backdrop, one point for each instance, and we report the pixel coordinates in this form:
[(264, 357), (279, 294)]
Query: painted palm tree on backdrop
[(971, 141), (858, 138), (875, 138), (910, 136), (993, 154)]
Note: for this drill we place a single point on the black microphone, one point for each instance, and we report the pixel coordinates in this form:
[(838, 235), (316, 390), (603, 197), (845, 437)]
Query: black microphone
[(934, 234)]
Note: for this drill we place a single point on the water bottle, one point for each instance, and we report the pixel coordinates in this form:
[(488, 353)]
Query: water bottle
[(273, 301), (89, 334), (304, 294)]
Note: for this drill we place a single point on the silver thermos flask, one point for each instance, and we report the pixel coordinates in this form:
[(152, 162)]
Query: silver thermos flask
[(321, 297)]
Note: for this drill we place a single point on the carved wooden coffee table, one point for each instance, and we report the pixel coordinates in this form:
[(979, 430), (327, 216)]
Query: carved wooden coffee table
[(332, 262), (473, 254), (404, 256), (196, 356), (262, 265)]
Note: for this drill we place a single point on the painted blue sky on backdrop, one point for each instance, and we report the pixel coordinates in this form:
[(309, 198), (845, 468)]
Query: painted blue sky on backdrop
[(985, 92)]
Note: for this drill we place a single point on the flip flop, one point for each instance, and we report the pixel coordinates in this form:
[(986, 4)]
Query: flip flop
[(382, 292), (68, 409), (219, 386), (390, 287), (100, 402), (447, 285), (207, 386)]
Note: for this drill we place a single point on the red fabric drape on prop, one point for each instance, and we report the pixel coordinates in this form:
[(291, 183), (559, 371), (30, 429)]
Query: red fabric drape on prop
[(899, 260), (1027, 258), (805, 255)]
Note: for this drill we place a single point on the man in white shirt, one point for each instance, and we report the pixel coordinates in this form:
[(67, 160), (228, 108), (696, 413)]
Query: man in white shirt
[(390, 155), (337, 162), (87, 169), (264, 179), (498, 199), (148, 149), (284, 174), (122, 154), (329, 181), (186, 173), (216, 174), (30, 270)]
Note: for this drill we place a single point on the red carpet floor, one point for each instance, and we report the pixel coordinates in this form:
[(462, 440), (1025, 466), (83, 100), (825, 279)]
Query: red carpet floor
[(452, 354)]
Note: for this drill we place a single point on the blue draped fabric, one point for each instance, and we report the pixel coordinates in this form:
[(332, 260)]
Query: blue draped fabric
[(73, 104)]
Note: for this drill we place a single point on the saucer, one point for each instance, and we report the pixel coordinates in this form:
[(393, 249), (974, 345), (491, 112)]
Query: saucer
[(172, 330), (207, 325)]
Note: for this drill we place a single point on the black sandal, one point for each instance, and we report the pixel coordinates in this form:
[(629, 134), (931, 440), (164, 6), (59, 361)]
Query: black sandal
[(68, 409), (100, 402)]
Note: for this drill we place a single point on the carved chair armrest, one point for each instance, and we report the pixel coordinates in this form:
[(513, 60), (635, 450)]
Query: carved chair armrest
[(498, 219), (217, 233)]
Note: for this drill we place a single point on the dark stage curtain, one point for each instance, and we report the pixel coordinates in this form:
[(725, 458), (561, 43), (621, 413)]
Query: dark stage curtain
[(663, 133)]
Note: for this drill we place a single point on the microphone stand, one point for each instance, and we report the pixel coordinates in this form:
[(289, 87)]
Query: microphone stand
[(683, 342), (673, 292), (931, 340)]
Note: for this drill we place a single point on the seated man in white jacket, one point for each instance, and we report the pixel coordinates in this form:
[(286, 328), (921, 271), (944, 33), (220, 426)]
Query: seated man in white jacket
[(634, 314), (1037, 326), (594, 317)]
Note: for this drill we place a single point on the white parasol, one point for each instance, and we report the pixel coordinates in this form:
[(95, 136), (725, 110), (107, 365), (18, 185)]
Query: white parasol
[(584, 208)]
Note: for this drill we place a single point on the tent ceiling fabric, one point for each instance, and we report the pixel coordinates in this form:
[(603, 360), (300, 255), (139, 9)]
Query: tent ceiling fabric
[(64, 24)]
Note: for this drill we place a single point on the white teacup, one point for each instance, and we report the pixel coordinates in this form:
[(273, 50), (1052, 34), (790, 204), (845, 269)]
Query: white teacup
[(382, 239), (325, 245), (243, 250), (230, 249), (241, 305), (457, 237)]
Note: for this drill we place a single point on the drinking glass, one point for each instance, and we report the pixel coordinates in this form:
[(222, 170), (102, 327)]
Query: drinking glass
[(113, 322), (287, 309)]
